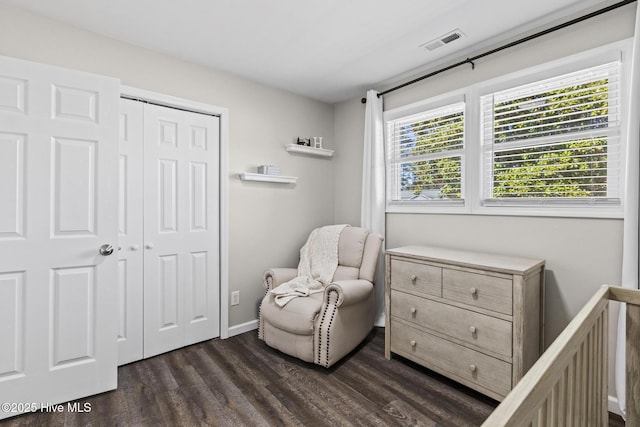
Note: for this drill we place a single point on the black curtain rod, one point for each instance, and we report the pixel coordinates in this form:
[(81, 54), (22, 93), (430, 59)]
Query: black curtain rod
[(507, 46)]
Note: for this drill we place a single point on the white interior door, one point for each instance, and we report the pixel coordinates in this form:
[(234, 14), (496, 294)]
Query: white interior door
[(181, 205), (130, 223), (58, 197)]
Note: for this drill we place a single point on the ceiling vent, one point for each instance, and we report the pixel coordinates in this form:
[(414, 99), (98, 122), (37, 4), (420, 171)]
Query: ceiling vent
[(442, 40)]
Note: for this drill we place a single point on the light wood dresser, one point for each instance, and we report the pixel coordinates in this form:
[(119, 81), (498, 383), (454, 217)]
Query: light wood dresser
[(476, 318)]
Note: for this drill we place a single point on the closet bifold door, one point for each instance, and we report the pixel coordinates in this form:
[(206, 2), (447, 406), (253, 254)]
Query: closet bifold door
[(181, 217), (130, 223)]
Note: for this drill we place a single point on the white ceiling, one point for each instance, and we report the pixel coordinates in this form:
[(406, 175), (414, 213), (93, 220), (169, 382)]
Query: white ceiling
[(329, 50)]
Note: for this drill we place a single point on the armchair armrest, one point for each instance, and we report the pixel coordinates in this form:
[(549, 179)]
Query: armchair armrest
[(348, 291), (276, 276)]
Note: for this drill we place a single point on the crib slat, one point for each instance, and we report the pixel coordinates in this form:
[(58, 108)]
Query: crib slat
[(571, 391), (604, 363), (582, 408), (562, 398), (542, 415), (553, 406), (595, 373), (633, 365), (588, 399), (577, 404)]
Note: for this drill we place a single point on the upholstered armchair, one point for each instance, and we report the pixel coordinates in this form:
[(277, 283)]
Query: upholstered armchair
[(325, 326)]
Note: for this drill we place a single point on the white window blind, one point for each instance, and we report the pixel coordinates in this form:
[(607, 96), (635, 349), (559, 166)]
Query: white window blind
[(555, 141), (426, 155)]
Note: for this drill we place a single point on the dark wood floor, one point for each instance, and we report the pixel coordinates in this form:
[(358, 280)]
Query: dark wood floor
[(242, 382)]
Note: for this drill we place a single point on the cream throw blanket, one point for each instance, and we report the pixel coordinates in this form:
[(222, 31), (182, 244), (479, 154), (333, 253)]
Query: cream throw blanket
[(318, 263)]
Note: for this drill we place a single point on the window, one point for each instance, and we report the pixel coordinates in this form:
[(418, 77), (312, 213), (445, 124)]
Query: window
[(546, 141), (554, 141), (427, 155)]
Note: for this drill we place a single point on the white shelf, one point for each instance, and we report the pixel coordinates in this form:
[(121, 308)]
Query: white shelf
[(246, 176), (311, 151)]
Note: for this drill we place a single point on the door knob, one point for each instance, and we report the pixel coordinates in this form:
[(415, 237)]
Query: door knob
[(133, 247), (149, 245), (106, 250)]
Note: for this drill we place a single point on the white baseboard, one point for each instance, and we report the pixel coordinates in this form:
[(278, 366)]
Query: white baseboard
[(243, 327), (614, 407)]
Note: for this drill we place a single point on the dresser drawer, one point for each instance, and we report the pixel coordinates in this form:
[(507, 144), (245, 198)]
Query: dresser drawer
[(416, 277), (461, 362), (478, 290), (486, 332)]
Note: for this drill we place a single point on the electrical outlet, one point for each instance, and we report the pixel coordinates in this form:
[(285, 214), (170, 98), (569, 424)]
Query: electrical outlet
[(235, 297)]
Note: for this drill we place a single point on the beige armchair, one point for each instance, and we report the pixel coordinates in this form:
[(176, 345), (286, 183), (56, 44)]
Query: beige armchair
[(323, 327)]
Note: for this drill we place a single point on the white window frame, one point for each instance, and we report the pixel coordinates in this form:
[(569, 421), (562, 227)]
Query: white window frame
[(410, 110), (473, 151)]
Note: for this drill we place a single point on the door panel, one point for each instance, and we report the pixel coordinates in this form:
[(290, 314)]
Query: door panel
[(12, 169), (164, 328), (74, 187), (199, 279), (74, 103), (169, 292), (123, 207), (12, 312), (130, 223), (123, 306), (202, 311), (198, 196), (58, 129), (181, 279), (73, 311), (167, 133), (167, 206), (13, 94)]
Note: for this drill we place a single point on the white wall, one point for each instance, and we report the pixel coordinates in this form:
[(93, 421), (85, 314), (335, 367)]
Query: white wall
[(581, 254), (268, 222), (349, 123)]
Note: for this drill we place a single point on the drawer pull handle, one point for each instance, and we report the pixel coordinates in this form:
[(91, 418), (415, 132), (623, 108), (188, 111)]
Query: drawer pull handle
[(413, 310), (472, 329), (473, 368), (413, 277), (413, 343), (474, 291)]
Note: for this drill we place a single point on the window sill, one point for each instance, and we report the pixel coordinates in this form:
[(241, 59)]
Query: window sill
[(596, 212)]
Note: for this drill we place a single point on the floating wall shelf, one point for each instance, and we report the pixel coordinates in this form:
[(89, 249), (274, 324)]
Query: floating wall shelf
[(246, 176), (311, 151)]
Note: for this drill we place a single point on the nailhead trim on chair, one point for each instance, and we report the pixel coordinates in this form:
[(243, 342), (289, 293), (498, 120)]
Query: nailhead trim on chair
[(333, 312), (260, 319)]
